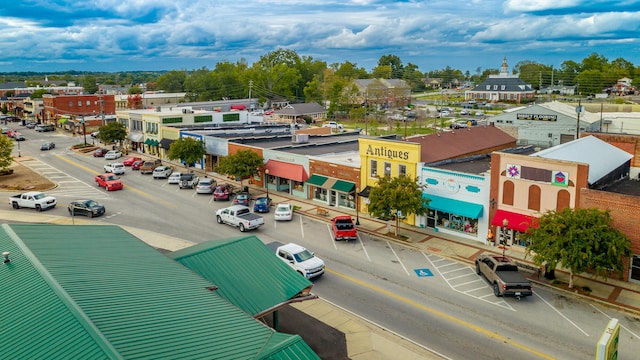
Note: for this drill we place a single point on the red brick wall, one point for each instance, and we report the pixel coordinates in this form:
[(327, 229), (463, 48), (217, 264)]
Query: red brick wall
[(59, 105), (346, 173), (624, 211)]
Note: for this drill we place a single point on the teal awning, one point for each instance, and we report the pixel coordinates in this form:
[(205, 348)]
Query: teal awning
[(154, 143), (316, 180), (344, 186), (470, 210)]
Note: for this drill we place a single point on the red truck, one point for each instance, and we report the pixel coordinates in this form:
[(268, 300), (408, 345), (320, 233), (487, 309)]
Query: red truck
[(343, 228)]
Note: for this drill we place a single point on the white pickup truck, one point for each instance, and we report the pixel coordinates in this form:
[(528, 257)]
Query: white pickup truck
[(34, 200), (239, 216), (333, 125), (301, 260)]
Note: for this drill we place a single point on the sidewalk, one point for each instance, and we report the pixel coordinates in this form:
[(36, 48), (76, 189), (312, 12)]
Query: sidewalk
[(619, 294)]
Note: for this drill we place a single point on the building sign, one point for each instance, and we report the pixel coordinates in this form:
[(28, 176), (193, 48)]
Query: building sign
[(513, 171), (538, 117), (560, 178), (387, 152)]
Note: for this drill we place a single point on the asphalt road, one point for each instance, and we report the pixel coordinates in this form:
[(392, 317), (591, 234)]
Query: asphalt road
[(453, 311)]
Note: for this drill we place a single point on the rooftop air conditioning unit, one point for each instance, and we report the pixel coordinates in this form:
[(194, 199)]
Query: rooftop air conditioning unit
[(300, 138)]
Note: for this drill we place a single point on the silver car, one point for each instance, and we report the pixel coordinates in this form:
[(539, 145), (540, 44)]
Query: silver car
[(174, 178), (162, 172), (206, 186)]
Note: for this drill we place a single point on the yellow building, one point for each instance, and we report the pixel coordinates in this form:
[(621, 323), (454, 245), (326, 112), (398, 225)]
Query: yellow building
[(381, 157)]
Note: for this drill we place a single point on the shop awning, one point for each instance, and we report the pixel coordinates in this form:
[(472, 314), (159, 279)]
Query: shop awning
[(518, 222), (63, 120), (154, 142), (136, 136), (365, 191), (452, 206), (286, 170), (344, 186), (316, 180), (166, 143)]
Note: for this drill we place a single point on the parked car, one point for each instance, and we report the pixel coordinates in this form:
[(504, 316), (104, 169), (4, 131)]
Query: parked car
[(464, 112), (240, 217), (206, 186), (262, 205), (174, 178), (109, 181), (88, 208), (99, 152), (162, 172), (130, 160), (301, 260), (242, 198), (223, 192), (113, 154), (283, 212), (34, 200), (343, 228), (479, 113), (47, 146), (148, 166), (137, 165), (30, 125), (115, 167), (188, 181), (19, 137), (503, 275)]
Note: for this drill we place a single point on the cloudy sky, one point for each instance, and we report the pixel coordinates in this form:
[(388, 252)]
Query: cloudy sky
[(127, 35)]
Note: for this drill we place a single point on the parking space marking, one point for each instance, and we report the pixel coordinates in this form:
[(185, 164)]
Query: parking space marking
[(561, 314), (398, 258), (467, 272), (67, 185), (622, 326), (363, 248)]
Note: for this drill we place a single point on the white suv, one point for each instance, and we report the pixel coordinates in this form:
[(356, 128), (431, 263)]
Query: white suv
[(115, 168), (162, 172)]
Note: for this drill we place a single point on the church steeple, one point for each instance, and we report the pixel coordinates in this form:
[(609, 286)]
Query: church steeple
[(505, 68)]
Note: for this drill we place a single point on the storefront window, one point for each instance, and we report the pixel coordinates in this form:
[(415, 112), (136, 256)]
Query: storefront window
[(320, 194), (374, 168), (457, 223), (346, 200), (635, 268), (296, 185)]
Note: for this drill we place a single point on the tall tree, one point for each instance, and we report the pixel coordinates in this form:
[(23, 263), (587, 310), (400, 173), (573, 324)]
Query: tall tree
[(6, 147), (134, 101), (394, 62), (90, 84), (276, 74), (187, 149), (173, 81), (113, 132), (580, 240), (392, 197), (242, 164)]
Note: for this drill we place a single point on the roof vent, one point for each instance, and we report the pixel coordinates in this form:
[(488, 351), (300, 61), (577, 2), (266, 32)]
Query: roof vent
[(6, 256)]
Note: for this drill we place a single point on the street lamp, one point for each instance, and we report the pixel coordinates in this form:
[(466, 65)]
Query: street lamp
[(357, 209), (266, 182), (503, 240), (19, 149), (84, 131)]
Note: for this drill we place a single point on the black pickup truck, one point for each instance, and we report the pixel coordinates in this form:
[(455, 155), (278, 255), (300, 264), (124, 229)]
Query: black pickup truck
[(503, 275)]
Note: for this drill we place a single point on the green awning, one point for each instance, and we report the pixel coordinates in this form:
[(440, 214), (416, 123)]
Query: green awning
[(317, 180), (62, 120), (154, 143), (148, 141), (466, 209), (344, 186)]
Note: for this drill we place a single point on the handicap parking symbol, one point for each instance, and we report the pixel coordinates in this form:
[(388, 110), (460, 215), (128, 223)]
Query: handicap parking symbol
[(423, 272)]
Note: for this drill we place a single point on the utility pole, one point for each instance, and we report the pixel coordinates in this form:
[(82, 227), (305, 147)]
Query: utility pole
[(250, 86), (578, 111), (101, 108)]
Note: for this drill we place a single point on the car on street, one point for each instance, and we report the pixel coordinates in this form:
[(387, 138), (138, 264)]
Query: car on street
[(137, 165), (303, 261), (30, 125), (479, 113), (464, 112), (109, 182), (188, 181), (222, 192), (113, 154), (130, 160), (47, 146), (162, 172), (115, 167), (283, 212), (19, 137), (99, 152), (262, 205), (206, 186), (444, 113), (88, 208), (242, 198), (174, 178), (148, 166), (95, 134)]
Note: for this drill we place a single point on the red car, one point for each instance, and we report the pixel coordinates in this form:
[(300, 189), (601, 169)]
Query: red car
[(109, 181), (137, 165), (99, 152), (130, 160), (343, 228), (222, 192)]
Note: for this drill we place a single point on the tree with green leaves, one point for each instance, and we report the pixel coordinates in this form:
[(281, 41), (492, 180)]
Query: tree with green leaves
[(242, 164), (392, 197), (173, 81), (187, 149), (6, 147), (90, 84), (580, 240), (112, 132)]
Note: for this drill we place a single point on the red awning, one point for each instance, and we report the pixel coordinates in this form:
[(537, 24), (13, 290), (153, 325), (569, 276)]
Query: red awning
[(285, 170), (518, 222)]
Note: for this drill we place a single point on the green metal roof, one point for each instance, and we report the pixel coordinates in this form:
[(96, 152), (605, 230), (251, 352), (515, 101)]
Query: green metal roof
[(247, 272), (99, 292)]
